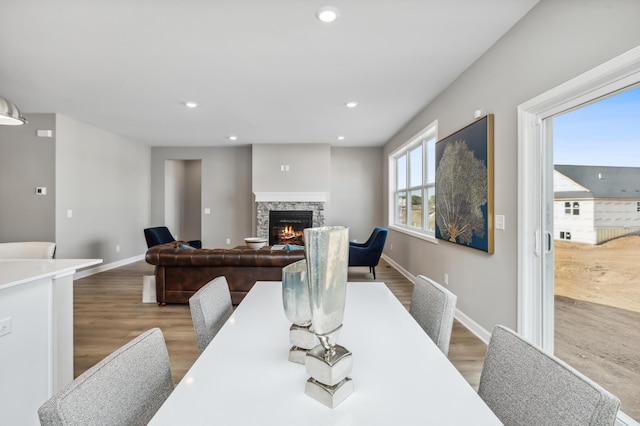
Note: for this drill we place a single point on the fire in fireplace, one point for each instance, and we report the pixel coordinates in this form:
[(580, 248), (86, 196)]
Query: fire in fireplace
[(287, 226)]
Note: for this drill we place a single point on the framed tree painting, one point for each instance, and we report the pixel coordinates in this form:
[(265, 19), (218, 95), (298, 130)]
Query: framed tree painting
[(464, 186)]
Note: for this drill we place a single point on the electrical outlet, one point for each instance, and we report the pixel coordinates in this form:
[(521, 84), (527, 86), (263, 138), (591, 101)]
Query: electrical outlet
[(5, 326), (446, 279), (228, 240), (118, 248)]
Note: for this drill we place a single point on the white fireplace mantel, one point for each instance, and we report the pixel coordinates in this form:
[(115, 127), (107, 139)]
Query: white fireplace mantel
[(308, 197)]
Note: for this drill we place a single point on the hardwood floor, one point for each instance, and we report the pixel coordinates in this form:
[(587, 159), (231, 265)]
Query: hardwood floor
[(109, 312)]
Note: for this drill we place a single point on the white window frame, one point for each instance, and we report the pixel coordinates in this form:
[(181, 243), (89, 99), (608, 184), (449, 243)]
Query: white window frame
[(428, 133)]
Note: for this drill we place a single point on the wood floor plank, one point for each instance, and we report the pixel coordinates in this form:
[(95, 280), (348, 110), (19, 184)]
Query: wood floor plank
[(108, 312)]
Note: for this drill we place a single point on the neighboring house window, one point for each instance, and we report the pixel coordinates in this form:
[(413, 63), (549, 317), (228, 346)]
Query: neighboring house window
[(412, 179), (565, 235), (638, 206), (572, 208)]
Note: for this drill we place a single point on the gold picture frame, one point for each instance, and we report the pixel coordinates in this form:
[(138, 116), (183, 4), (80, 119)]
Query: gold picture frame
[(464, 186)]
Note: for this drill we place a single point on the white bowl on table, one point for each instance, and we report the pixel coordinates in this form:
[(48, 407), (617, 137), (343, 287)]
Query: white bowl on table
[(255, 242)]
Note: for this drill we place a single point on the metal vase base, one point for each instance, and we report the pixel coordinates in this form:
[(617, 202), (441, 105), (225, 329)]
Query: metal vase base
[(297, 355), (329, 370), (330, 396), (302, 337)]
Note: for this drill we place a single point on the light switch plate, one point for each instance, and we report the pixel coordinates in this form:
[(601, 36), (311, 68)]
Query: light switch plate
[(500, 221)]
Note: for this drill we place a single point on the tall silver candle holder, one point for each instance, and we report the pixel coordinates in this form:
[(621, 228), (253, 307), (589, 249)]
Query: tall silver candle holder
[(328, 364), (295, 298)]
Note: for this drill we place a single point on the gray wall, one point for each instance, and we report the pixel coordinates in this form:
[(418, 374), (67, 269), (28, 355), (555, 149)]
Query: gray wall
[(555, 42), (352, 176), (309, 168), (26, 162), (356, 190), (104, 179), (226, 190)]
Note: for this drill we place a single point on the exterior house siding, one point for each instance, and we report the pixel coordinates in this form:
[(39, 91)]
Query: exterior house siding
[(607, 201), (580, 226)]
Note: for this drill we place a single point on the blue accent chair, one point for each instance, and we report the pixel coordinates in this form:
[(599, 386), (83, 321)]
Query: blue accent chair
[(369, 252), (161, 235)]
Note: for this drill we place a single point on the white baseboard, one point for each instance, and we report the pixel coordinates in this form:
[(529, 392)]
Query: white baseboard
[(473, 326), (105, 267), (463, 319), (399, 268)]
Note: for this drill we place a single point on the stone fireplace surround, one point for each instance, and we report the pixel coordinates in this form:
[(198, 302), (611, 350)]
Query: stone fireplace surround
[(266, 202)]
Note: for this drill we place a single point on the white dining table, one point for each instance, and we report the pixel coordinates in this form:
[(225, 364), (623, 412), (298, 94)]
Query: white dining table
[(399, 375)]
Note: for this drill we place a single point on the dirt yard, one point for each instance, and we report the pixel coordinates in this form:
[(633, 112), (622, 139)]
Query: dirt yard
[(597, 314)]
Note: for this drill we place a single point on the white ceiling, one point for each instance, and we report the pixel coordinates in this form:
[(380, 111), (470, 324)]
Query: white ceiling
[(265, 70)]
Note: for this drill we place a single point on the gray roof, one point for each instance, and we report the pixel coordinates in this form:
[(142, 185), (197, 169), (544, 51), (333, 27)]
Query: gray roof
[(602, 181)]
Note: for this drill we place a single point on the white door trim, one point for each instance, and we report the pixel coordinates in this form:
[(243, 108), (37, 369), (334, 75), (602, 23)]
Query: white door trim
[(533, 159)]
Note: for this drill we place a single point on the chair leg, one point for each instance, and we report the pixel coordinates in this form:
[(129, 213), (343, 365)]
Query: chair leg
[(373, 268)]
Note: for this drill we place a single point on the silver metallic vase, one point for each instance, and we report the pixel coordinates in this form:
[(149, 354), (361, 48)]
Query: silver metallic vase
[(295, 298), (328, 364)]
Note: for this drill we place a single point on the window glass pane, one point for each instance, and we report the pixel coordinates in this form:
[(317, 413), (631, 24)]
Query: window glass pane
[(401, 171), (431, 209), (416, 209), (576, 208), (431, 161), (401, 208), (415, 166), (413, 185)]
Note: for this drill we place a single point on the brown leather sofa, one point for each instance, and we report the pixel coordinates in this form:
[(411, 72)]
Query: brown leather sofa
[(181, 271)]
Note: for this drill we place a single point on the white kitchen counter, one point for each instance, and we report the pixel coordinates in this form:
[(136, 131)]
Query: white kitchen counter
[(36, 333)]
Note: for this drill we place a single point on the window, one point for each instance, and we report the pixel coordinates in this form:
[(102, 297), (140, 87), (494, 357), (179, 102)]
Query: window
[(412, 180), (565, 235), (638, 206), (572, 208)]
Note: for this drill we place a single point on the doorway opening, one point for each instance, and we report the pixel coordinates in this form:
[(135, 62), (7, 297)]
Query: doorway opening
[(596, 151), (182, 198)]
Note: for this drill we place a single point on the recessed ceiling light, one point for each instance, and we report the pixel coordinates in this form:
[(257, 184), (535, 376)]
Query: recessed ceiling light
[(233, 138), (327, 14), (351, 104), (191, 104), (341, 138)]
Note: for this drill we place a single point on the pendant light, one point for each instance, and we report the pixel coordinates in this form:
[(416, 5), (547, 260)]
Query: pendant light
[(10, 115)]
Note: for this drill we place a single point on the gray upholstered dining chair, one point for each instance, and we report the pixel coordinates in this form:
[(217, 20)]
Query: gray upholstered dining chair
[(433, 307), (125, 388), (210, 308), (524, 385)]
